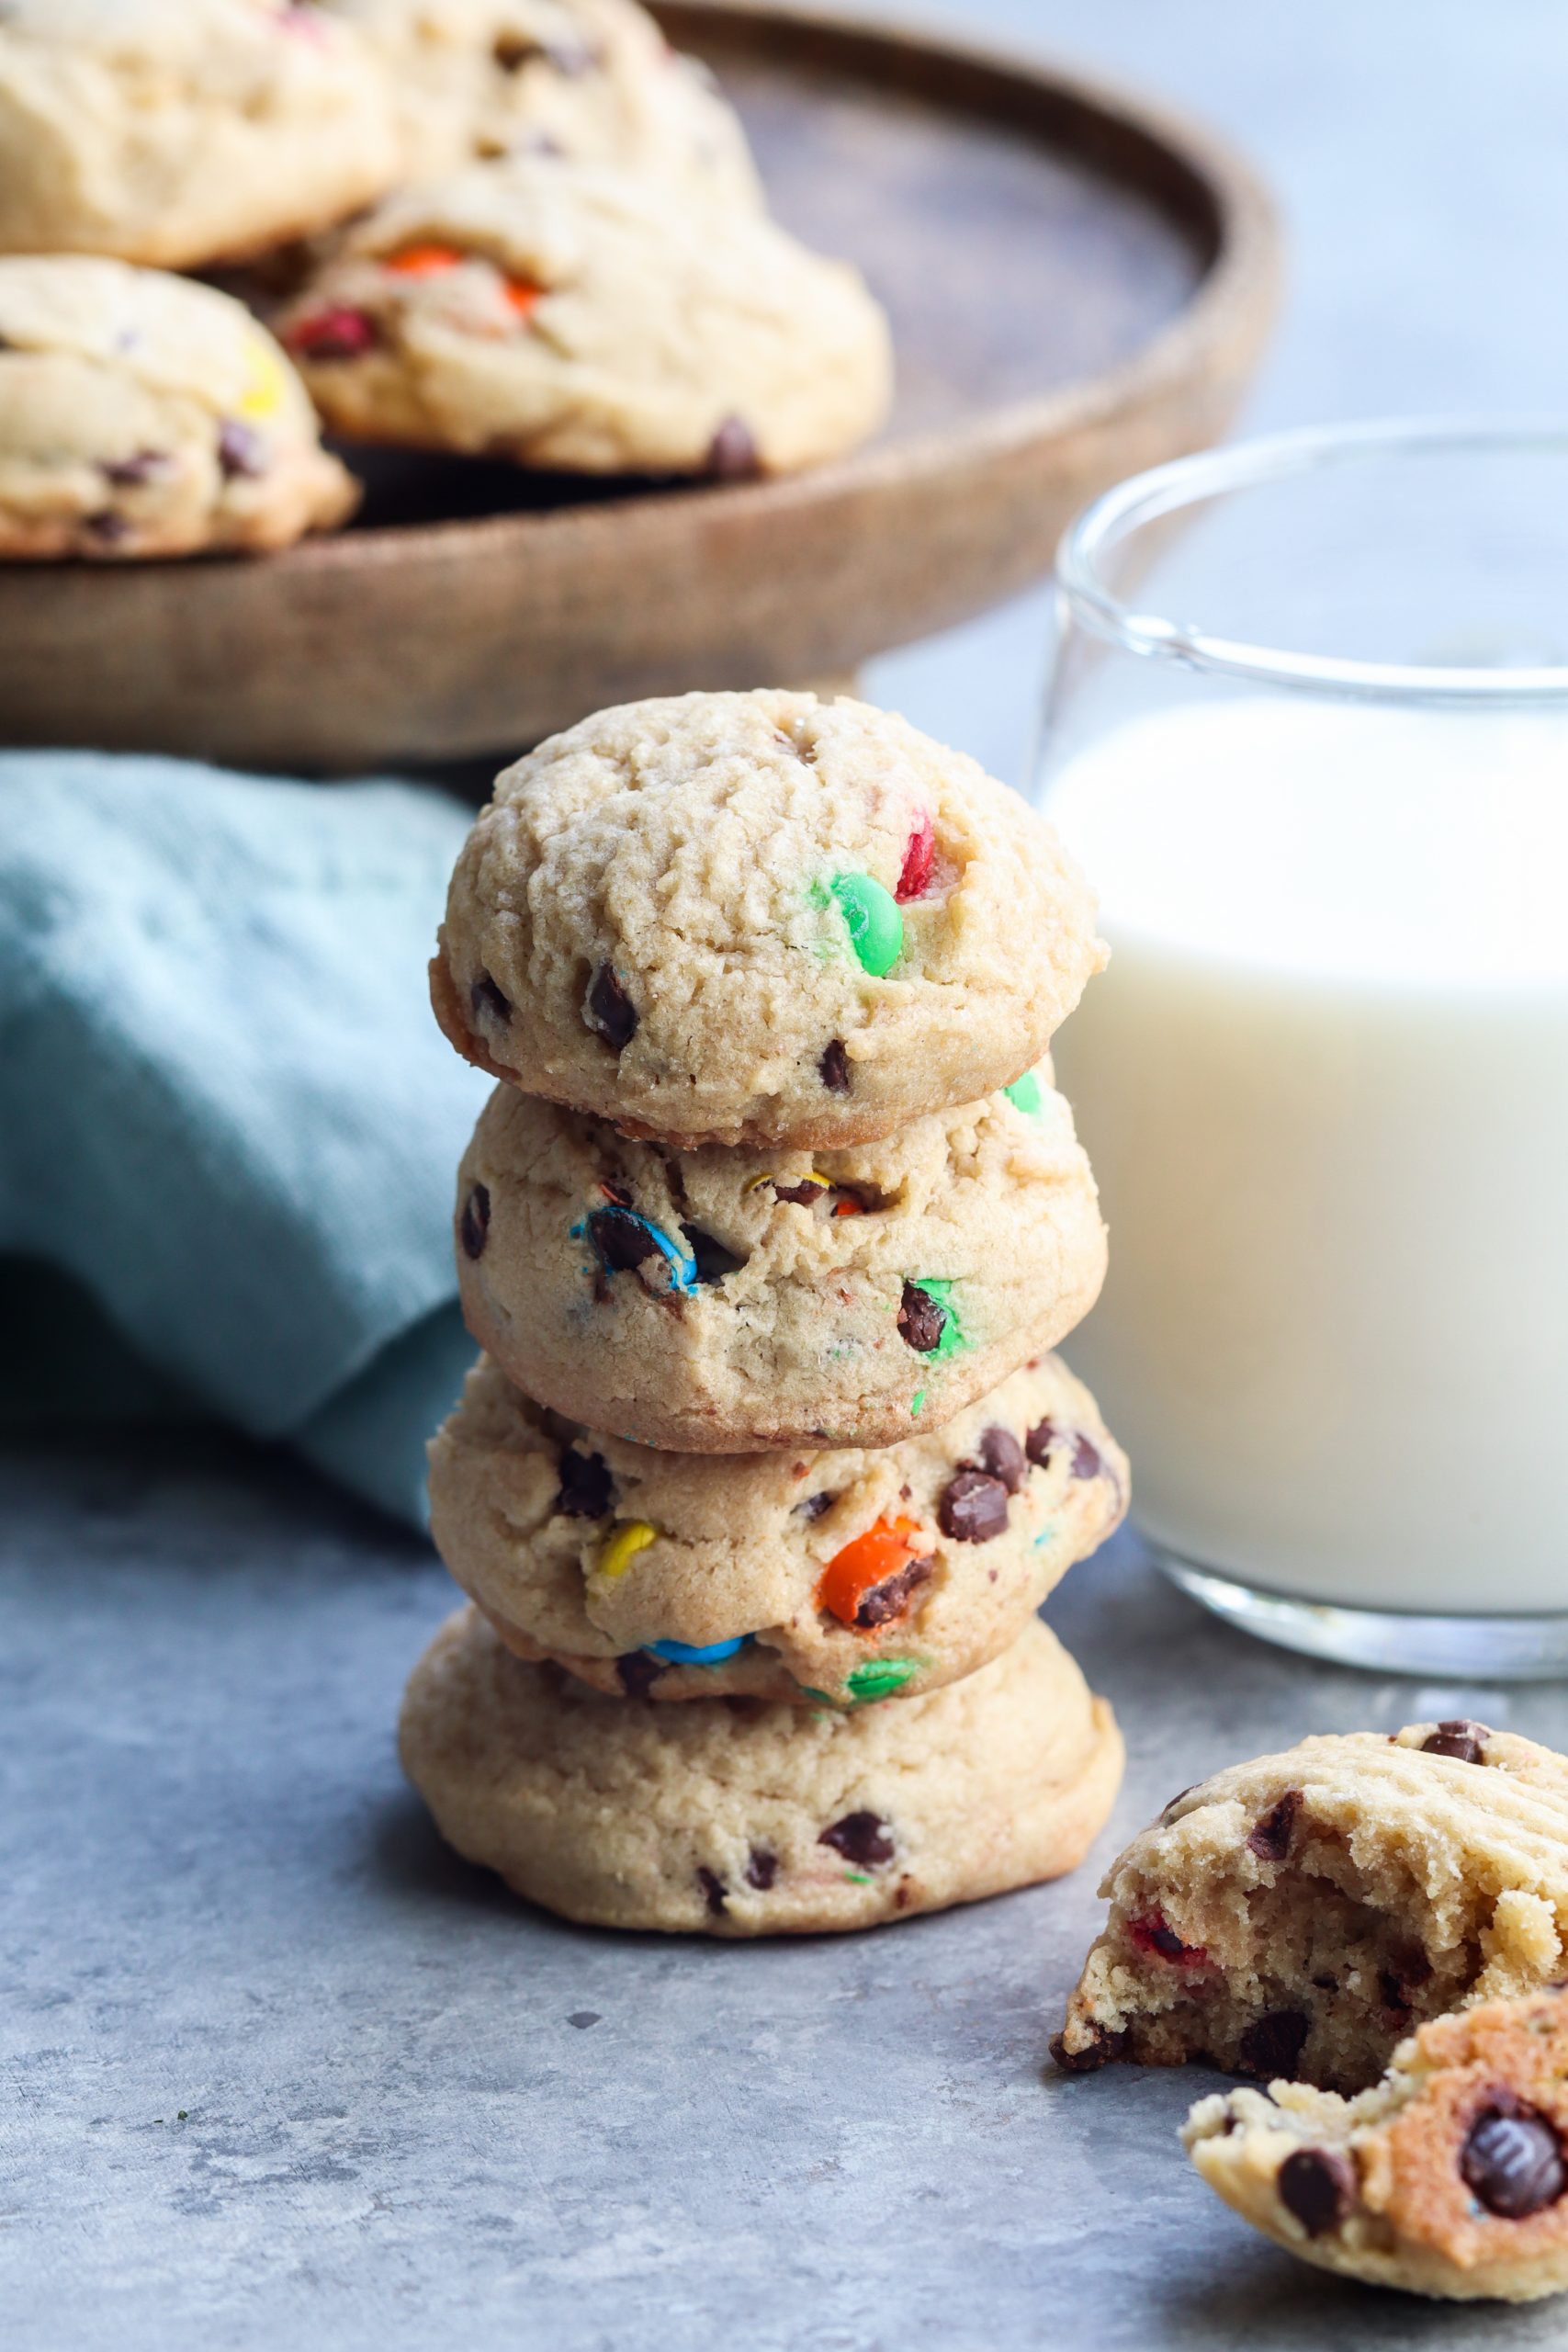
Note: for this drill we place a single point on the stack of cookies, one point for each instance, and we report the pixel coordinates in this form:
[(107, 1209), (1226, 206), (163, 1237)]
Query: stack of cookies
[(766, 1234)]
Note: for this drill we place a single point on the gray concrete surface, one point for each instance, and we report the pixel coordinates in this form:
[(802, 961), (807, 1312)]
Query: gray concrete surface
[(415, 2114)]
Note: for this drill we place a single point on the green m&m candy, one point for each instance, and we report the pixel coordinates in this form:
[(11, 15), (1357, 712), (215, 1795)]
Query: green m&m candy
[(1024, 1094), (876, 925)]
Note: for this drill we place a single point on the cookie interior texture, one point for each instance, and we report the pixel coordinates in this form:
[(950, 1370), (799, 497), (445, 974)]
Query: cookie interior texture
[(1448, 2178), (1296, 1916), (727, 1301), (730, 1817), (841, 1577)]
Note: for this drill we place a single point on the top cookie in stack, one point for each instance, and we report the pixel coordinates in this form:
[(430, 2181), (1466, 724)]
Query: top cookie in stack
[(759, 919)]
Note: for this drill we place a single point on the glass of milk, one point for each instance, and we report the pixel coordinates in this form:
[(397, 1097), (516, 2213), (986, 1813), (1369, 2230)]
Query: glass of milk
[(1308, 731)]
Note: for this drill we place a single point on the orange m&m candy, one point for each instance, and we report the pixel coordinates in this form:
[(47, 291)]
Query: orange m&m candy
[(885, 1549)]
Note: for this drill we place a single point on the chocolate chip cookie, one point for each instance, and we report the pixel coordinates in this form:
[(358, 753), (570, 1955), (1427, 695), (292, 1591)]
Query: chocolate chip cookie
[(592, 79), (838, 1577), (1299, 1914), (758, 918), (142, 415), (727, 1300), (183, 132), (730, 1817), (1448, 2178), (590, 320)]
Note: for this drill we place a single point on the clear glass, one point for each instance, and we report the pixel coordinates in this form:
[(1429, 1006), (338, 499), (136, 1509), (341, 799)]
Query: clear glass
[(1308, 730)]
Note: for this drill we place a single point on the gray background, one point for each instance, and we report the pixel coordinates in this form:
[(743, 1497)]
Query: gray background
[(415, 2114)]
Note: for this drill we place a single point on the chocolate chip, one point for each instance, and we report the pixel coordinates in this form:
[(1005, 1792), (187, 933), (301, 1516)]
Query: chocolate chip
[(1512, 2159), (1039, 1441), (813, 1506), (1272, 2044), (921, 1321), (611, 1011), (620, 1240), (587, 1489), (803, 1195), (584, 2019), (637, 1673), (1087, 1463), (834, 1067), (1155, 1933), (512, 50), (1393, 1997), (1002, 1455), (1459, 1738), (474, 1225), (108, 526), (1175, 1800), (243, 452), (975, 1507), (713, 1260), (732, 452), (127, 473), (1318, 2186), (487, 998), (761, 1869), (890, 1598), (862, 1838), (1099, 2050), (1270, 1837), (713, 1889)]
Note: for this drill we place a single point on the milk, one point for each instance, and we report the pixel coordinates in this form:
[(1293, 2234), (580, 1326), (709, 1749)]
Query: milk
[(1325, 1087)]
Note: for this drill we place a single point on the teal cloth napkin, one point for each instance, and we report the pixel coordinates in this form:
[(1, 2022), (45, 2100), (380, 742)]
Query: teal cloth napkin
[(226, 1113)]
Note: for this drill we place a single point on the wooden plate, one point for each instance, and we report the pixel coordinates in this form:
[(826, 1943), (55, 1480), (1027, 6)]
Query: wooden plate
[(1080, 285)]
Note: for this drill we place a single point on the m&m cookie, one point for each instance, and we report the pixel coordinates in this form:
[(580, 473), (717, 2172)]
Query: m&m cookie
[(143, 414), (733, 1819), (758, 918), (838, 1578), (589, 320), (727, 1300)]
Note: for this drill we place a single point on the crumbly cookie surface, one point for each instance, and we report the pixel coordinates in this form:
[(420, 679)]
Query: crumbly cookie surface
[(1297, 1915), (730, 1817), (737, 918), (1448, 2177), (592, 79), (143, 414), (846, 1577), (181, 132), (581, 317), (724, 1301)]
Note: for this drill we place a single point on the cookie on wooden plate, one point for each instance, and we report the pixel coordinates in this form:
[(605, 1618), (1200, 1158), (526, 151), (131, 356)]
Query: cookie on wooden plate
[(593, 79), (593, 320), (183, 132), (142, 415)]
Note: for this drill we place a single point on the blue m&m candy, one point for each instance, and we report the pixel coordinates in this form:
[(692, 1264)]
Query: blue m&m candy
[(685, 1654)]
